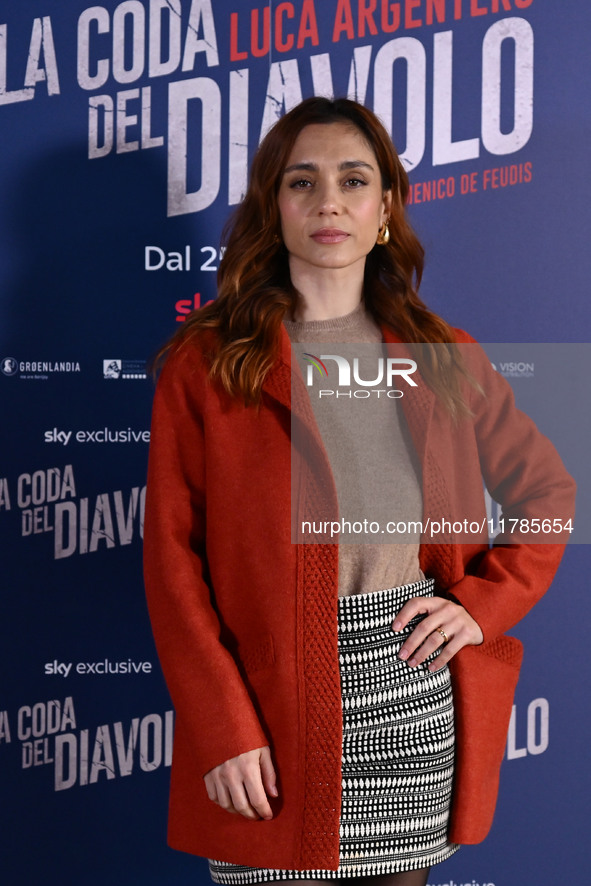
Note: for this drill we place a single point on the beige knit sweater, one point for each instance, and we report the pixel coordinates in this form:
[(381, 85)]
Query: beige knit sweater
[(368, 444)]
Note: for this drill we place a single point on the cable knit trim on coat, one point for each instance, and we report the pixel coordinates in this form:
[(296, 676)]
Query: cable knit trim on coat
[(320, 832), (504, 649)]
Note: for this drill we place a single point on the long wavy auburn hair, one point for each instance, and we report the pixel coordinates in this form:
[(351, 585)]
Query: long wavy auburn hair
[(254, 287)]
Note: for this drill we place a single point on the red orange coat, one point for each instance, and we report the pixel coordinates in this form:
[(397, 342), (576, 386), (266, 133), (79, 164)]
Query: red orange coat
[(245, 621)]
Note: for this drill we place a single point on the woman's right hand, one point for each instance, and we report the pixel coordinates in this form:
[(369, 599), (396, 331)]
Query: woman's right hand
[(241, 784)]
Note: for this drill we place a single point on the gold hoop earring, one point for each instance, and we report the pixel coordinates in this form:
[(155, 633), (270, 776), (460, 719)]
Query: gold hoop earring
[(383, 235)]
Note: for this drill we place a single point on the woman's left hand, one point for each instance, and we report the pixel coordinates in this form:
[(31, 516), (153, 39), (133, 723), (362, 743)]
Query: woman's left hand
[(446, 626)]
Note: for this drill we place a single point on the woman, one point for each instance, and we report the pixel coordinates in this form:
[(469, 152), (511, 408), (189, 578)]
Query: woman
[(295, 756)]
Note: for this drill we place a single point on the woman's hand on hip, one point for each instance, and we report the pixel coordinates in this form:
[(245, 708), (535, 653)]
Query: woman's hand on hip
[(241, 784), (446, 626)]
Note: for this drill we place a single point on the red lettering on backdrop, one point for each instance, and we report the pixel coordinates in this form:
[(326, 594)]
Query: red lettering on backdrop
[(185, 305), (343, 21), (506, 5), (366, 10), (308, 25), (475, 9), (389, 25), (506, 176), (235, 56), (457, 9), (409, 21), (523, 4), (256, 49), (280, 44), (437, 6)]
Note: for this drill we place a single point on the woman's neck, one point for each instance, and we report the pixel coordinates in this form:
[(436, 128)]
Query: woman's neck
[(325, 295)]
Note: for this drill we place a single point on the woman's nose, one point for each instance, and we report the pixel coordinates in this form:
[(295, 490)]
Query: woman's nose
[(329, 199)]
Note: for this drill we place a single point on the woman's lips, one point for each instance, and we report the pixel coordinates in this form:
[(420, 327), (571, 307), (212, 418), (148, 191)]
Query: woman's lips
[(329, 235)]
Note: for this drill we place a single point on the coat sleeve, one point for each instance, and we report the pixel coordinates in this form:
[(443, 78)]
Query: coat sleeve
[(524, 473), (212, 703)]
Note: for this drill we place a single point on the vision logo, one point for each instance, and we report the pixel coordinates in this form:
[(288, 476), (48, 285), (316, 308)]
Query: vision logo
[(385, 371)]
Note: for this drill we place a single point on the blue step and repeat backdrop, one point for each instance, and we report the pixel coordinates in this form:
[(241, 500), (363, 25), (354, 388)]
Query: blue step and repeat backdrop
[(127, 130)]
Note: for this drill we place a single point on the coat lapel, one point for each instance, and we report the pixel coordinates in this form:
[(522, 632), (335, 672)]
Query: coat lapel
[(277, 382), (285, 383), (418, 404), (314, 496)]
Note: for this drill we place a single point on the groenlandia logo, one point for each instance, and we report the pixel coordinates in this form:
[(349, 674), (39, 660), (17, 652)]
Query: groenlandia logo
[(347, 373), (9, 365)]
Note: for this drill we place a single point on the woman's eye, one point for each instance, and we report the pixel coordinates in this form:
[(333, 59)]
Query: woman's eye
[(301, 183), (355, 182)]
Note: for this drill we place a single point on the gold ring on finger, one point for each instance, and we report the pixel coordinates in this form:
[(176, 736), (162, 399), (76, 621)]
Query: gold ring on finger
[(443, 634)]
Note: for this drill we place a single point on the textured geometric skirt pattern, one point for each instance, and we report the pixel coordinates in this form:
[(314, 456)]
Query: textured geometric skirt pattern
[(398, 749)]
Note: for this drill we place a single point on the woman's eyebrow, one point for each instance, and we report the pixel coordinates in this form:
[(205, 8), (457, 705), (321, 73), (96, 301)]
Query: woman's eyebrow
[(313, 167), (353, 164)]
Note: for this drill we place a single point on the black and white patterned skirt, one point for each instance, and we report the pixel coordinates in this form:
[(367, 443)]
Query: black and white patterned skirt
[(398, 750)]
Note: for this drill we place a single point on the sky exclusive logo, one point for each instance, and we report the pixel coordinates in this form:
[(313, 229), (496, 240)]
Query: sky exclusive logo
[(101, 435), (383, 371), (57, 668)]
